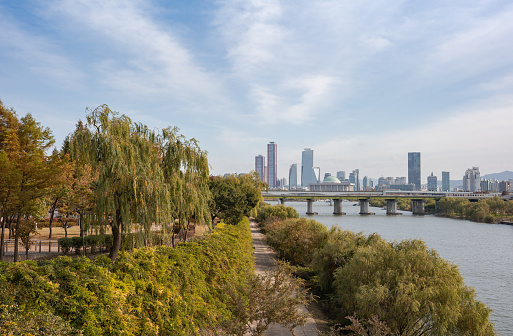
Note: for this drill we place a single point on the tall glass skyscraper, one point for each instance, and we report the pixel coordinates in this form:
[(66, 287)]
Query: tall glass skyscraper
[(293, 176), (414, 169), (307, 171), (272, 164), (260, 166), (446, 181)]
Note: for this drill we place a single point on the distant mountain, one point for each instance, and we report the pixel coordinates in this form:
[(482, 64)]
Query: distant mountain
[(505, 175)]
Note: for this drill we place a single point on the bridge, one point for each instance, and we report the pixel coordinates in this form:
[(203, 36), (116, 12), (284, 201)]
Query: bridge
[(391, 196)]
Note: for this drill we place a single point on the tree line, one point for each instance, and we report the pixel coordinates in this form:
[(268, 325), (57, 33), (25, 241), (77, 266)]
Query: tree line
[(112, 174)]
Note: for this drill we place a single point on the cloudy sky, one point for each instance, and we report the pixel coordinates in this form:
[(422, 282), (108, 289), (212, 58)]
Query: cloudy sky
[(362, 83)]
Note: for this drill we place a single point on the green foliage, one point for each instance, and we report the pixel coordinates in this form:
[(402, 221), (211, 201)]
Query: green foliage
[(14, 321), (296, 239), (410, 288), (265, 211), (483, 211), (234, 196), (66, 244), (144, 176), (403, 286), (339, 248), (168, 291)]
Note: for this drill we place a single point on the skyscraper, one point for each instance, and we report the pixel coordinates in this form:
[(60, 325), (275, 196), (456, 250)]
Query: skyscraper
[(432, 183), (341, 175), (260, 166), (272, 164), (354, 177), (446, 181), (414, 169), (293, 177), (307, 171), (472, 180)]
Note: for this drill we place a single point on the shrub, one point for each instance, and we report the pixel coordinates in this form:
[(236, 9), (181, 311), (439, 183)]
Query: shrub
[(161, 290), (281, 211), (66, 244), (489, 219), (296, 239), (77, 244)]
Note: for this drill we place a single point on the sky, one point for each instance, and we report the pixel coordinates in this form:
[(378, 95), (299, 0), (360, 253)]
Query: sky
[(362, 83)]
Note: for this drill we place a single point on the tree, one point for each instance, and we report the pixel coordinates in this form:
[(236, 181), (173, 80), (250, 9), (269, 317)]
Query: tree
[(411, 289), (24, 144), (130, 181), (143, 177), (234, 196)]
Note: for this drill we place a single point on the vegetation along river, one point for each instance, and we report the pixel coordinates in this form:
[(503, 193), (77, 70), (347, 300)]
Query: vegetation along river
[(483, 252)]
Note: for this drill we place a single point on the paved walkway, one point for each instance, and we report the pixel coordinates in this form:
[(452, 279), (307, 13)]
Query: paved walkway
[(264, 261)]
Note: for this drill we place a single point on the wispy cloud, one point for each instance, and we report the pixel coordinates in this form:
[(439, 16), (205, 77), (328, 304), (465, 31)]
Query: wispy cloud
[(139, 56), (35, 53)]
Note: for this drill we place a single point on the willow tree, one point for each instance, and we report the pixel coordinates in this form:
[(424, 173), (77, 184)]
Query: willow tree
[(143, 176), (186, 173)]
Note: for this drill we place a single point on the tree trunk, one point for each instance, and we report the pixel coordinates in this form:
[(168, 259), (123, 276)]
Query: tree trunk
[(81, 223), (2, 240), (187, 230), (16, 238), (116, 236), (52, 211)]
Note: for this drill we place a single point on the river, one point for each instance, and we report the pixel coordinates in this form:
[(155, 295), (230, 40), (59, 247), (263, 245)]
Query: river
[(483, 252)]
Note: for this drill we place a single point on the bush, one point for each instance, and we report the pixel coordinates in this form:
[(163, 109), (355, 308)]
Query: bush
[(77, 244), (296, 239), (265, 211), (66, 244), (489, 219), (338, 250), (162, 290)]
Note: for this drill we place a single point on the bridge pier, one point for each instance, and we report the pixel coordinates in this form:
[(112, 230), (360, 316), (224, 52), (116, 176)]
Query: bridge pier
[(309, 207), (364, 206), (417, 207), (337, 208), (282, 200), (392, 207)]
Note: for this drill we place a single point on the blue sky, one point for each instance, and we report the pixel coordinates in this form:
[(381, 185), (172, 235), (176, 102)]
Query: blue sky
[(362, 83)]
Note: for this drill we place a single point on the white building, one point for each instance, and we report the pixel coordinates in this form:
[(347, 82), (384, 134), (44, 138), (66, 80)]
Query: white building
[(472, 180)]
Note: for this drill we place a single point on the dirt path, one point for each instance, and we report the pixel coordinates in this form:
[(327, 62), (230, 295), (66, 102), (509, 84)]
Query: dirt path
[(264, 261)]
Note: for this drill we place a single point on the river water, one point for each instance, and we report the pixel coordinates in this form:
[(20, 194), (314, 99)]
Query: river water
[(483, 252)]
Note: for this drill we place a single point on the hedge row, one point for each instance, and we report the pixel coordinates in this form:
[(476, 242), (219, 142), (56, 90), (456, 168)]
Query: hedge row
[(150, 291), (405, 284)]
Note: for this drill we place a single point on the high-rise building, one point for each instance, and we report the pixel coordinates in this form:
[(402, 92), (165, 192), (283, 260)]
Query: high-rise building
[(366, 184), (326, 175), (260, 166), (341, 175), (272, 164), (307, 170), (432, 183), (293, 177), (472, 180), (317, 172), (446, 181), (354, 177), (414, 169)]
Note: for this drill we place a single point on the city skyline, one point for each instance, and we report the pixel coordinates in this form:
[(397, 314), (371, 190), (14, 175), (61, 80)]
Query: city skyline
[(434, 78)]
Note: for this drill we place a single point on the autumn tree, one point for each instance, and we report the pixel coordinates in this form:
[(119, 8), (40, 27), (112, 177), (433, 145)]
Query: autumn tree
[(25, 143)]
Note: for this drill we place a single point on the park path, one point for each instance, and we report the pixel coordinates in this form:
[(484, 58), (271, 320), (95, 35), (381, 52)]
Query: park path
[(264, 262)]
